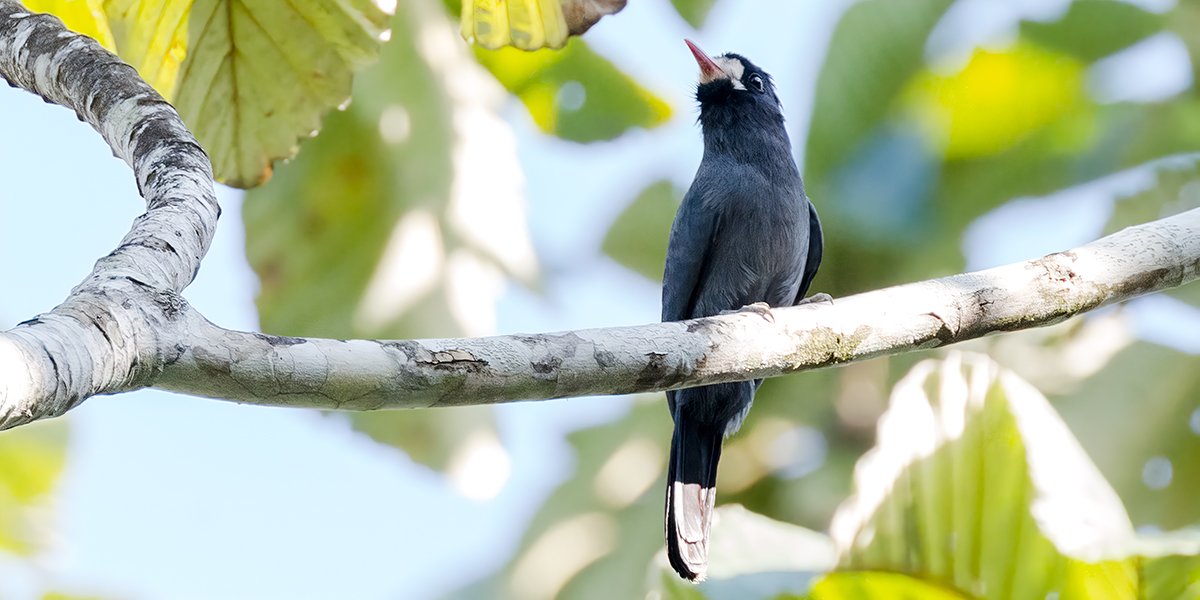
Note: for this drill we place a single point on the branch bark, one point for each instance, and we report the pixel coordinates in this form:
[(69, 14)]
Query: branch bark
[(126, 327), (369, 374), (106, 336)]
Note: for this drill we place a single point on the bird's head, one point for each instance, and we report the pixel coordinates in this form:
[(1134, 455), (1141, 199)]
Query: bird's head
[(732, 80)]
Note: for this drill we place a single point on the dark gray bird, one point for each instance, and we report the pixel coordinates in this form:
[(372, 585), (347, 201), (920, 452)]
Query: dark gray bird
[(745, 238)]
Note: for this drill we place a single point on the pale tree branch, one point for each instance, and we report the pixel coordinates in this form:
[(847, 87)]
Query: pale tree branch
[(106, 336), (126, 327), (368, 374)]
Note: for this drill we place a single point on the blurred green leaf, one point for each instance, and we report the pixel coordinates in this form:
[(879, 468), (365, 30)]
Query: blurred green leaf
[(330, 234), (1138, 407), (876, 49), (1011, 123), (900, 160), (879, 586), (31, 460), (674, 588), (575, 93), (694, 11), (316, 231), (753, 472), (433, 437), (597, 533), (858, 169), (1092, 29), (638, 238), (33, 457), (1176, 189), (1184, 21), (1141, 133), (1172, 578)]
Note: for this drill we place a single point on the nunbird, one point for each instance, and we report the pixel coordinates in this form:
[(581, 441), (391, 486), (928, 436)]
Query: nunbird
[(745, 238)]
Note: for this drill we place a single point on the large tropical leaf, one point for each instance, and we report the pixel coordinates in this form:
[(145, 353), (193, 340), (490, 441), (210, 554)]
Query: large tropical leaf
[(251, 78), (259, 75), (153, 36), (976, 483), (86, 17)]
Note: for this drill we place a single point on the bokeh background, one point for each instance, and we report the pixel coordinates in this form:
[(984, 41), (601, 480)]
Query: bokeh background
[(464, 192)]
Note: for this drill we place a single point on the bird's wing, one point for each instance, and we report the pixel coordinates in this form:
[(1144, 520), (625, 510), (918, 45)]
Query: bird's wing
[(816, 242), (687, 252)]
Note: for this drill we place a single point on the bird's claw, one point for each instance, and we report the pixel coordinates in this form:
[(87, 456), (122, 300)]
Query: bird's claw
[(819, 297), (760, 308)]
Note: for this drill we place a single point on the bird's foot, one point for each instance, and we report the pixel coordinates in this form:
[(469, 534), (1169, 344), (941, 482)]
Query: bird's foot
[(820, 297), (760, 308)]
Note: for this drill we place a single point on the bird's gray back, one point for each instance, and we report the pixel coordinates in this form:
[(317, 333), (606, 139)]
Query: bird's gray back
[(759, 242)]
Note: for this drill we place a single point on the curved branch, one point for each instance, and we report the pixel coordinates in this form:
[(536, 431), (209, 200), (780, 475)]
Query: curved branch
[(126, 327), (106, 336), (369, 374)]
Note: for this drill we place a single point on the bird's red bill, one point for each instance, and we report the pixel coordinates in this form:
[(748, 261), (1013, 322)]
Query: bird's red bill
[(708, 69)]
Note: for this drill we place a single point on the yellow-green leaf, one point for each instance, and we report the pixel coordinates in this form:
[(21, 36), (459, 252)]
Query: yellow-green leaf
[(976, 481), (530, 24), (82, 16), (880, 586), (999, 99), (259, 75), (575, 93), (60, 596), (524, 24), (31, 459), (151, 35), (251, 78)]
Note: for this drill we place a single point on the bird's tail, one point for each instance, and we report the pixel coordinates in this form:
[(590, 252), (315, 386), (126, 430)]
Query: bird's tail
[(691, 493)]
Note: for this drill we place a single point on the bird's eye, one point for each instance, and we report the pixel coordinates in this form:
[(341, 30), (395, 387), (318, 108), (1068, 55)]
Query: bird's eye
[(756, 82)]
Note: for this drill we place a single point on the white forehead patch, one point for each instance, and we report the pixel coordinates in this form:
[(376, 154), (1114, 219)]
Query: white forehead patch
[(734, 68)]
